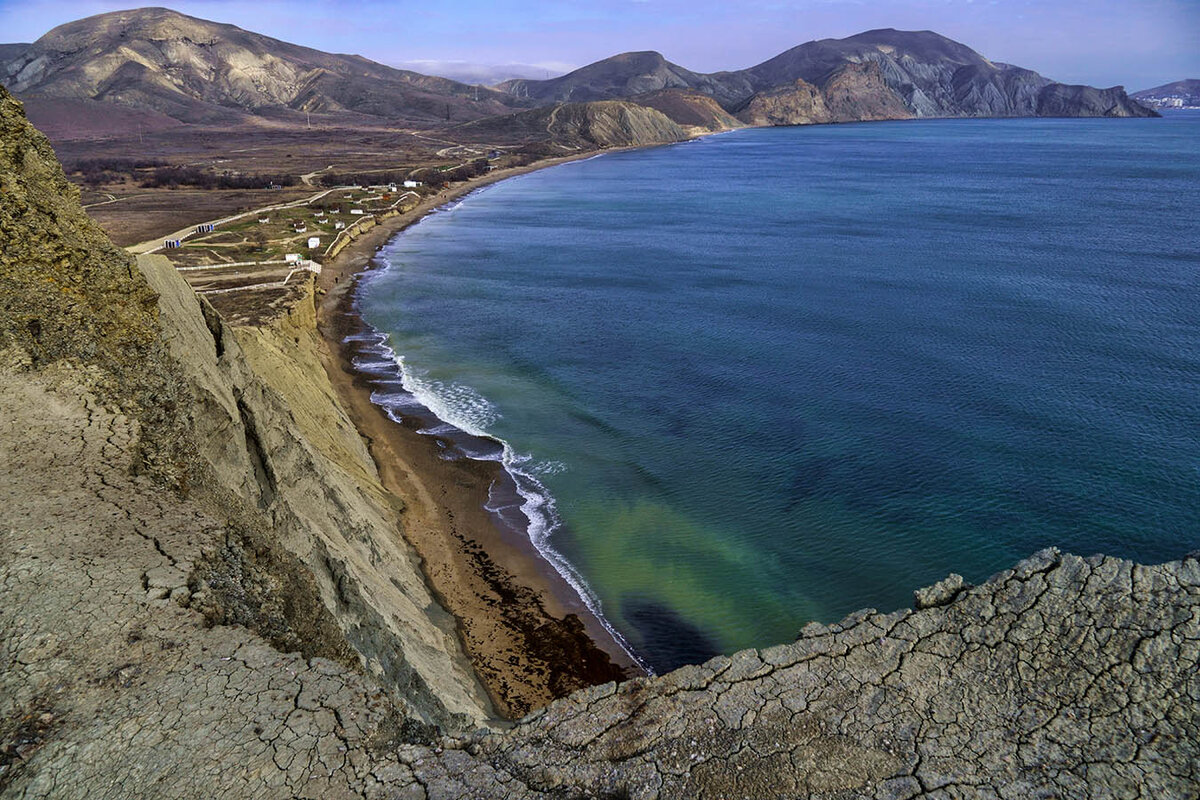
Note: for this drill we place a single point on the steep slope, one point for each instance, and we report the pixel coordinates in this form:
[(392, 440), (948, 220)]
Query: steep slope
[(932, 76), (195, 70), (1177, 94), (298, 541), (574, 126), (691, 110)]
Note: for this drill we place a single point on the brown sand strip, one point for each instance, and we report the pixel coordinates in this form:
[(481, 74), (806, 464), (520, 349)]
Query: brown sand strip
[(530, 637)]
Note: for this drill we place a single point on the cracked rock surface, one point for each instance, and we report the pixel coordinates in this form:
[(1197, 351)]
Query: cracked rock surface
[(1063, 677)]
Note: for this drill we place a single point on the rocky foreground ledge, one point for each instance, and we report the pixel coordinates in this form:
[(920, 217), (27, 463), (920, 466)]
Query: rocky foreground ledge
[(202, 595), (1063, 677)]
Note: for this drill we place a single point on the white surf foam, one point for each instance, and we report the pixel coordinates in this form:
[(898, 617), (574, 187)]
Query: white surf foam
[(471, 412)]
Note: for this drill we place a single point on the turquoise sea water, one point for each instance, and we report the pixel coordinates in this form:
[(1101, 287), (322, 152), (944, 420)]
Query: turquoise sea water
[(779, 375)]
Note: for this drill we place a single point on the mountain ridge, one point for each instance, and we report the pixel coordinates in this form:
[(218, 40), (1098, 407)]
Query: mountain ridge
[(930, 74), (197, 71)]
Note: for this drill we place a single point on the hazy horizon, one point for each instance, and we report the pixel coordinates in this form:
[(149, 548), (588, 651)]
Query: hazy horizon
[(1137, 45)]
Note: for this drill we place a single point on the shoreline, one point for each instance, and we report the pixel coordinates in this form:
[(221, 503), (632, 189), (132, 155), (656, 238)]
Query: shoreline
[(528, 633)]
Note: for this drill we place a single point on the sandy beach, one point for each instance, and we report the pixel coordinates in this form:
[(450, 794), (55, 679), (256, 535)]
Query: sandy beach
[(529, 635)]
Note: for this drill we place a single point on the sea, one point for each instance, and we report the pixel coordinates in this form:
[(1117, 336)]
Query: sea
[(778, 375)]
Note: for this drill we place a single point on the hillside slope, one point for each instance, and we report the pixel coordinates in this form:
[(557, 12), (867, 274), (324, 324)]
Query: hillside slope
[(1184, 93), (928, 74), (199, 71), (579, 126)]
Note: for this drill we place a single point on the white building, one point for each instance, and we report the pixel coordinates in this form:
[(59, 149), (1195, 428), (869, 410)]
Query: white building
[(411, 184), (291, 258), (314, 241)]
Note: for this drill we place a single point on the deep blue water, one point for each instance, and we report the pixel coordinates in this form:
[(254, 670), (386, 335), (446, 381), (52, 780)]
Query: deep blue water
[(782, 374)]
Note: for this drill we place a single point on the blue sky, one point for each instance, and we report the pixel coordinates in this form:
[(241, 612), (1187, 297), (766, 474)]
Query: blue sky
[(1137, 43)]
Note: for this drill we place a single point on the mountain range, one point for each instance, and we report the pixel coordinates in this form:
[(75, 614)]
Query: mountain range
[(159, 62)]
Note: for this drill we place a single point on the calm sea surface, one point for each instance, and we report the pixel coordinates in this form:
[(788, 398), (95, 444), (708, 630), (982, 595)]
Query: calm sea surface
[(778, 375)]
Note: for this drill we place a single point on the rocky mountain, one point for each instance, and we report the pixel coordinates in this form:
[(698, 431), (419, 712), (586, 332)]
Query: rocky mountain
[(915, 74), (199, 71), (1177, 94)]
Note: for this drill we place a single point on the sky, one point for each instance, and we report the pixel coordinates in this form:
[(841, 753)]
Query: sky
[(1135, 43)]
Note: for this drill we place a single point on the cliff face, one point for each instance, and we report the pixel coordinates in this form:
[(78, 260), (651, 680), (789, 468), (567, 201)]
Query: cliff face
[(304, 546), (693, 111), (67, 294), (612, 124), (801, 103), (243, 640)]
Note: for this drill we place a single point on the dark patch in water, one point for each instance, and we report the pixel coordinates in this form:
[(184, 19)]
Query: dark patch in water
[(667, 640), (809, 478)]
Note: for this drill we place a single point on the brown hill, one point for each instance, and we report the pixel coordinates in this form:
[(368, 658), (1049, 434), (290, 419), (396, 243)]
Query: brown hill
[(690, 109), (194, 70), (578, 126)]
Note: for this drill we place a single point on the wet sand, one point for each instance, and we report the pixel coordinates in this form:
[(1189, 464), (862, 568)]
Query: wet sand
[(526, 630)]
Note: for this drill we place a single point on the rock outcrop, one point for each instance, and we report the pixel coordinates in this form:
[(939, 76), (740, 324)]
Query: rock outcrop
[(800, 103), (192, 603)]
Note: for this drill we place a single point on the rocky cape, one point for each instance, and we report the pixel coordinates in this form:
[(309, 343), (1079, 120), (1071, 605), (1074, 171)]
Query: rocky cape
[(202, 594)]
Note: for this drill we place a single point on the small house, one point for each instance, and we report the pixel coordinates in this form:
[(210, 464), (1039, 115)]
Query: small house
[(337, 226), (301, 227), (314, 241), (357, 211), (291, 258), (411, 184), (263, 220)]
